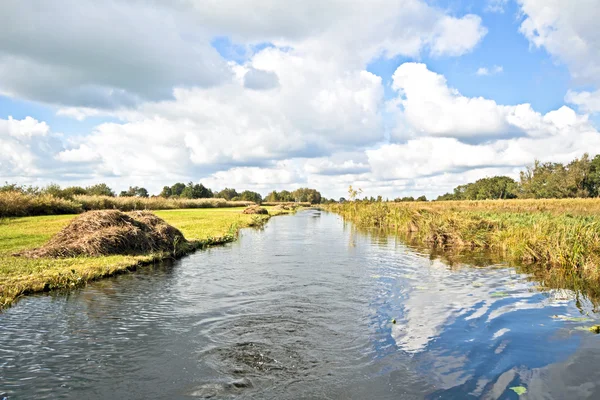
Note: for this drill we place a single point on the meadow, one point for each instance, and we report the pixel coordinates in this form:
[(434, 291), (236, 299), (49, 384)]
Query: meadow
[(20, 275), (562, 235)]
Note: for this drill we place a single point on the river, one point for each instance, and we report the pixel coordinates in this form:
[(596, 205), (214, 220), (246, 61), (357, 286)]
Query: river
[(306, 308)]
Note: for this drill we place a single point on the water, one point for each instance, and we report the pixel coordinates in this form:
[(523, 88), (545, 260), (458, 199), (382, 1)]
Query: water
[(303, 310)]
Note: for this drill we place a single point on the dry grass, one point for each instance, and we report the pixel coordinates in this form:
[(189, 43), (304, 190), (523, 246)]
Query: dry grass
[(560, 234), (112, 232), (22, 275), (17, 204), (255, 210)]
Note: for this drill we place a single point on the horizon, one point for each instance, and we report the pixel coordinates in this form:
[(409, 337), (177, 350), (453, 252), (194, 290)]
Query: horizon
[(399, 98)]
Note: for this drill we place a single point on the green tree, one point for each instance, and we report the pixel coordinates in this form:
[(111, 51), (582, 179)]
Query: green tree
[(100, 189), (177, 189), (227, 194), (166, 192), (248, 195), (196, 191)]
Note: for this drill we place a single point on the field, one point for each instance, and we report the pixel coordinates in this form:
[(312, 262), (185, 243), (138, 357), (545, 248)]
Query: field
[(19, 275), (559, 235)]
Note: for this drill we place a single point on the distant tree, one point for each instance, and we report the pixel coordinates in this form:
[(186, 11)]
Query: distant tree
[(227, 194), (134, 191), (285, 195), (303, 195), (72, 191), (196, 191), (272, 197), (248, 195), (177, 189), (422, 198), (593, 179), (100, 189), (166, 192)]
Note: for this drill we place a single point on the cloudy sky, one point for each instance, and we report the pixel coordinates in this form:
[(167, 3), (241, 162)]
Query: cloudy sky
[(398, 97)]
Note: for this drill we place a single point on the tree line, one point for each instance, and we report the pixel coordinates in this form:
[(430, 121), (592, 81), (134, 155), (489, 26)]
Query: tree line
[(178, 190), (578, 179)]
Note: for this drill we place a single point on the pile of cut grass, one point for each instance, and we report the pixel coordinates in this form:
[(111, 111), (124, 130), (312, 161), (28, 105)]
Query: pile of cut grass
[(22, 275), (255, 210), (112, 232)]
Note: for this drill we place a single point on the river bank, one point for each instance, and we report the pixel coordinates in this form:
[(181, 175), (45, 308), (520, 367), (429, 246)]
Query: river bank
[(20, 276), (557, 234)]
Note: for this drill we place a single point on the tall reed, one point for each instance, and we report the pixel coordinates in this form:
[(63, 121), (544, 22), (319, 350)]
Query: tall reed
[(561, 234), (17, 204)]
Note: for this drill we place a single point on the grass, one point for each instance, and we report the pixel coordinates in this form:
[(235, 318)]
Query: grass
[(557, 234), (17, 204), (20, 276)]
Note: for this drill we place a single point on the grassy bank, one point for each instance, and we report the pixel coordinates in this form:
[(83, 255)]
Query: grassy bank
[(19, 275), (560, 234), (17, 204)]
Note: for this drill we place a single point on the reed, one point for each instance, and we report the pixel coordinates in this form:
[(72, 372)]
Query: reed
[(553, 233), (18, 204)]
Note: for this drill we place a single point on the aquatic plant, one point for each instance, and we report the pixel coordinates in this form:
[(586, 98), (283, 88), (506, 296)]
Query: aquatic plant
[(554, 233)]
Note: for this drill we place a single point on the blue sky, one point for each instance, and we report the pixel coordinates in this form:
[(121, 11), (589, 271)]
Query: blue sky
[(265, 95)]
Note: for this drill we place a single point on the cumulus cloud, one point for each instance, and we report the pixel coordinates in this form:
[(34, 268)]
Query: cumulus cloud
[(568, 31), (101, 55), (124, 53), (586, 101), (24, 148), (260, 80), (431, 107)]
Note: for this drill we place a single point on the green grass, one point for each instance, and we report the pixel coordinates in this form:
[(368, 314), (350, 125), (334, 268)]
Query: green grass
[(19, 276)]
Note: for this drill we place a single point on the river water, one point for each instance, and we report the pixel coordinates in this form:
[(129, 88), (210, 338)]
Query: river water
[(303, 309)]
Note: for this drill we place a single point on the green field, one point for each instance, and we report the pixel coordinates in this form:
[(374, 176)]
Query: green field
[(19, 275)]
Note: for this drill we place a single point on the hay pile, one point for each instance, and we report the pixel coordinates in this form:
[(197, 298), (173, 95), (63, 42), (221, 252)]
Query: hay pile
[(110, 232), (282, 207), (255, 210)]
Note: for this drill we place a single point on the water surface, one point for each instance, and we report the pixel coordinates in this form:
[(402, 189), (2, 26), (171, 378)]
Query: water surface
[(303, 309)]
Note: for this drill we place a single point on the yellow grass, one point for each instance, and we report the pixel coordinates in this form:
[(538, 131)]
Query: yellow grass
[(20, 275)]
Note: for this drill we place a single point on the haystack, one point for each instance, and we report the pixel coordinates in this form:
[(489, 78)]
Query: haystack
[(255, 210), (110, 232)]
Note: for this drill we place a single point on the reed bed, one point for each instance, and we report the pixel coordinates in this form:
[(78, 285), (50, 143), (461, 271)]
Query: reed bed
[(17, 204), (553, 233)]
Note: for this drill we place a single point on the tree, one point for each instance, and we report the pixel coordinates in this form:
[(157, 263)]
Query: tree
[(248, 195), (593, 178), (100, 189), (166, 192), (304, 195), (272, 197), (196, 191), (134, 191), (177, 189), (227, 194), (422, 198), (285, 195)]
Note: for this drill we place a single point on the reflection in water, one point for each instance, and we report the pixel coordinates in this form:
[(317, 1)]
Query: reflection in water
[(303, 309)]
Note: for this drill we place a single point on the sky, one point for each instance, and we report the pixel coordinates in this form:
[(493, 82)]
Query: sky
[(396, 97)]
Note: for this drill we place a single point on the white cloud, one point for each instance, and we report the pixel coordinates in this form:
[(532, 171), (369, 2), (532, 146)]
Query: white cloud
[(432, 108), (586, 101), (24, 148), (568, 30), (496, 6), (125, 53), (484, 71)]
